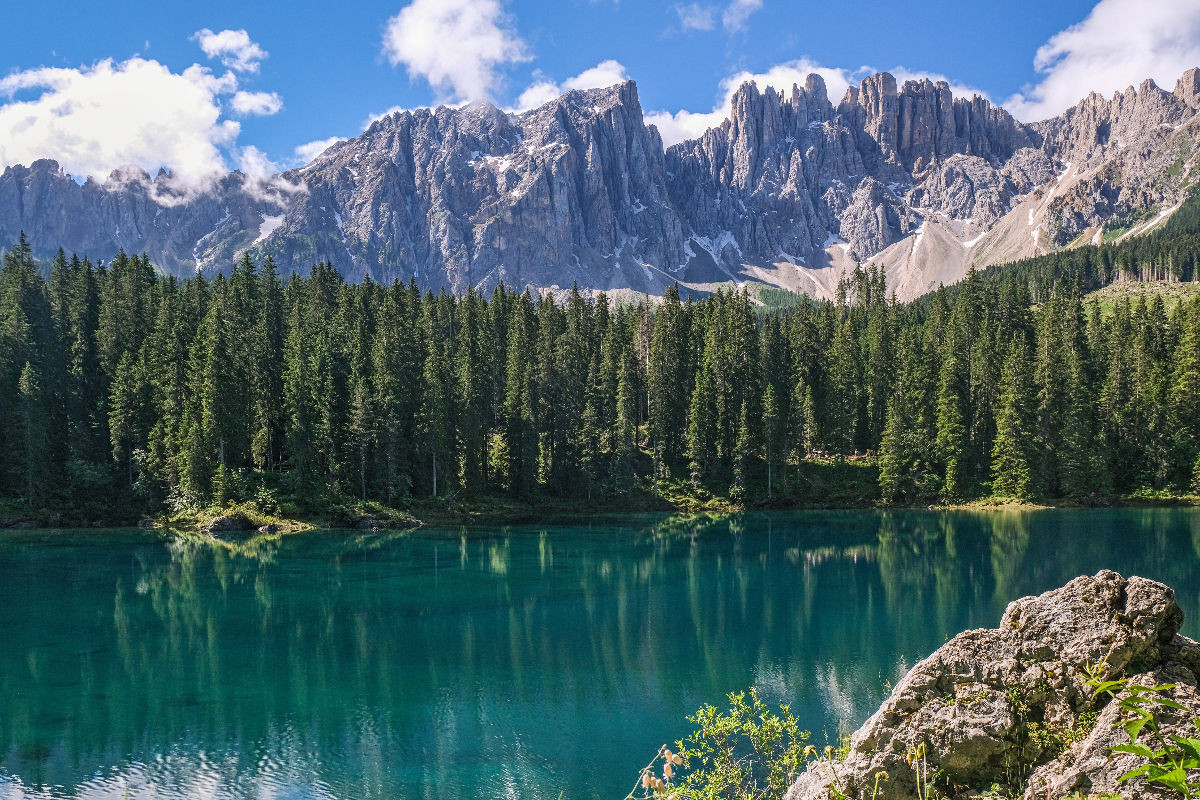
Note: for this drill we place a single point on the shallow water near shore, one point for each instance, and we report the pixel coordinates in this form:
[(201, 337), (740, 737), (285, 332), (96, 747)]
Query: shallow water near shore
[(525, 661)]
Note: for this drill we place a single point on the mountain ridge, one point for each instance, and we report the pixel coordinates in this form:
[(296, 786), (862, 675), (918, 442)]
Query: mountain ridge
[(790, 190)]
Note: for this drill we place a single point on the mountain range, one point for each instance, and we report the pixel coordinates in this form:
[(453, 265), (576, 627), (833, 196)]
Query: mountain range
[(792, 190)]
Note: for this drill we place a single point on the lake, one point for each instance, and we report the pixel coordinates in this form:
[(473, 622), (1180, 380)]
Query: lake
[(524, 661)]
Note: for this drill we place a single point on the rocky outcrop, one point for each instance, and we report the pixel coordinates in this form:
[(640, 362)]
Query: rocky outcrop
[(1008, 708), (179, 226), (236, 522), (572, 191), (790, 190)]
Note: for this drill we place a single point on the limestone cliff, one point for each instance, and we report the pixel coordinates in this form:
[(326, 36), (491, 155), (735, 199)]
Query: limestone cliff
[(791, 190)]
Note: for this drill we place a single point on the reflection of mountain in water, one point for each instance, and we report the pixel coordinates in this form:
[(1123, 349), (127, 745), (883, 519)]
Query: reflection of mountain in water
[(500, 662)]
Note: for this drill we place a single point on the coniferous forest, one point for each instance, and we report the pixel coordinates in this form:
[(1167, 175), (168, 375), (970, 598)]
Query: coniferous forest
[(120, 388)]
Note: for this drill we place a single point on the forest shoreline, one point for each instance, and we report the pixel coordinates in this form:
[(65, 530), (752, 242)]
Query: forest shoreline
[(491, 512)]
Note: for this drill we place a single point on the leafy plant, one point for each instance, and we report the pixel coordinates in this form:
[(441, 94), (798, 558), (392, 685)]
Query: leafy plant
[(1171, 761), (744, 753)]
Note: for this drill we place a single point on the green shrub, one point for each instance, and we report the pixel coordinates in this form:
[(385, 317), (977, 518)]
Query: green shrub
[(745, 753)]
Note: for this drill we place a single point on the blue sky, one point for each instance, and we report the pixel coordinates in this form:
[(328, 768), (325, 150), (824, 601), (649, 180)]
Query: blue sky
[(98, 85)]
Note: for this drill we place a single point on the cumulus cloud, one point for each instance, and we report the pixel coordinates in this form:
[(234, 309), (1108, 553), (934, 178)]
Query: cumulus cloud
[(255, 163), (695, 17), (458, 46), (235, 49), (100, 119), (1120, 43), (95, 119), (263, 180), (737, 14), (306, 153), (261, 104), (543, 90)]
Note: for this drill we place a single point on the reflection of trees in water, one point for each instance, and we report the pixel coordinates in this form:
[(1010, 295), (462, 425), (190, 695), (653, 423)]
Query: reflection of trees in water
[(463, 660)]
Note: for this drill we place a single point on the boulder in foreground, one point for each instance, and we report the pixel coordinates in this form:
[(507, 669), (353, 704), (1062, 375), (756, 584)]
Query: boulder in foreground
[(1008, 710)]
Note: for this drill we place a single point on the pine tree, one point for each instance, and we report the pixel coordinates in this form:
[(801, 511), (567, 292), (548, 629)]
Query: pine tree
[(666, 378), (625, 428), (34, 436), (842, 404), (298, 383), (519, 402), (773, 437), (473, 384), (951, 431), (1012, 474), (702, 433), (1185, 384), (434, 427), (904, 444), (268, 411), (743, 455)]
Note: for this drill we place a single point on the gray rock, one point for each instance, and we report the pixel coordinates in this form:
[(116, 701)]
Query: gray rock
[(229, 523), (1010, 706)]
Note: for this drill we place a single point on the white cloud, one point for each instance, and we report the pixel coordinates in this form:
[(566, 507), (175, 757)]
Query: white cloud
[(255, 164), (306, 153), (737, 14), (537, 94), (695, 17), (456, 45), (543, 90), (262, 104), (263, 180), (95, 119), (236, 49), (1120, 43), (606, 73), (678, 126)]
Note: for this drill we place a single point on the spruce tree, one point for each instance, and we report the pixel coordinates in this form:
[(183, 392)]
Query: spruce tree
[(519, 402), (951, 440), (667, 382), (34, 437), (1012, 474), (702, 418), (773, 437)]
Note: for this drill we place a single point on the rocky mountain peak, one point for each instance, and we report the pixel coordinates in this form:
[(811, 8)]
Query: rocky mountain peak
[(921, 122), (789, 190), (1187, 88)]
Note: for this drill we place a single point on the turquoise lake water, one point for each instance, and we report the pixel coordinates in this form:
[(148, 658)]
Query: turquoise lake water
[(523, 662)]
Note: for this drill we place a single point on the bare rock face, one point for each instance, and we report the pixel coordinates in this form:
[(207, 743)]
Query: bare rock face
[(229, 523), (180, 227), (790, 189), (465, 197), (1009, 707)]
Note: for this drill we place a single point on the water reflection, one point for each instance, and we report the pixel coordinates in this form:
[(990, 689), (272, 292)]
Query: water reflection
[(518, 662)]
